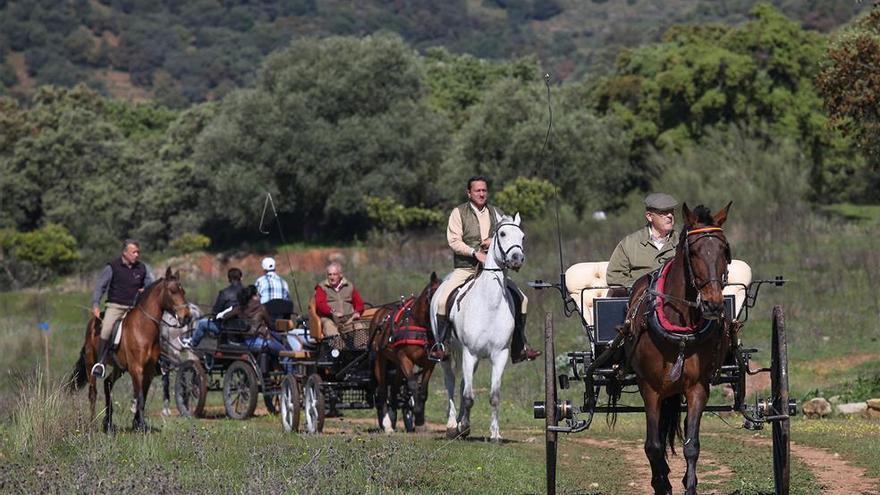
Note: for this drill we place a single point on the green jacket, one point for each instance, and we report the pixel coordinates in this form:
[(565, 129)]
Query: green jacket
[(635, 256)]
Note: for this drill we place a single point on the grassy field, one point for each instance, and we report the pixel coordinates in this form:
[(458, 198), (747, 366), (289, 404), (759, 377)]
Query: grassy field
[(48, 443)]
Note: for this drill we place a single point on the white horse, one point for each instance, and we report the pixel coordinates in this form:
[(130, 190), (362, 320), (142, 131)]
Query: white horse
[(482, 317)]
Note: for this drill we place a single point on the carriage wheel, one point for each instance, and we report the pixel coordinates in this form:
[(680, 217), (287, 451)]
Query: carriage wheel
[(291, 403), (313, 404), (779, 387), (550, 402), (191, 389), (240, 390)]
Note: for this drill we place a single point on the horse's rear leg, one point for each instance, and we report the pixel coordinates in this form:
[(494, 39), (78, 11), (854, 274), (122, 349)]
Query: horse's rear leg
[(468, 367), (655, 446), (449, 380), (499, 361), (696, 399)]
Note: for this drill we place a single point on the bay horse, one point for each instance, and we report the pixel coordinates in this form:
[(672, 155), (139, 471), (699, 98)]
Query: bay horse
[(139, 349), (676, 339), (400, 337), (482, 320)]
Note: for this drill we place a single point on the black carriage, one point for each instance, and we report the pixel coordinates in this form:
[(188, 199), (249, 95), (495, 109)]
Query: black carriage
[(226, 364), (601, 363), (334, 374)]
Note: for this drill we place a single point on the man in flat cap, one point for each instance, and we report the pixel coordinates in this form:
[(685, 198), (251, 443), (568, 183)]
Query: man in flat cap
[(646, 249)]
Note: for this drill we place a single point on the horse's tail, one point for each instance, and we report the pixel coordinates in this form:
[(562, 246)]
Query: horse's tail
[(670, 420), (79, 376)]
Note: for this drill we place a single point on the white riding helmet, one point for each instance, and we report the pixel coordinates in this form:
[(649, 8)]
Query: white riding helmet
[(268, 264)]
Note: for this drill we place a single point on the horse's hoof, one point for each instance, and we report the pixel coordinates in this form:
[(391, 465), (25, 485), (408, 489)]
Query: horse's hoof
[(464, 432), (496, 440), (451, 433), (166, 411)]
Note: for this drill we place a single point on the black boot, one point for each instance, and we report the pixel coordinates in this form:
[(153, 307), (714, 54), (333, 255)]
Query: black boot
[(438, 350), (520, 349), (98, 370)]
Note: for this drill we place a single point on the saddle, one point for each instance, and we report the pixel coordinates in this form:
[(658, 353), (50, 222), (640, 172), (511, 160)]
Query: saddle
[(464, 288)]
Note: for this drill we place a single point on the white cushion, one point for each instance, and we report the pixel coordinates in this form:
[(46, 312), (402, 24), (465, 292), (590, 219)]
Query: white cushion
[(738, 272), (585, 282)]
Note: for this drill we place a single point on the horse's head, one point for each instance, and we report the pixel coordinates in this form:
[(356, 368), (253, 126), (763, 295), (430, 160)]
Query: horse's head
[(173, 298), (707, 255), (507, 243)]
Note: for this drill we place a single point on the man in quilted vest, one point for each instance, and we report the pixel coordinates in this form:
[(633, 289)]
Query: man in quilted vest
[(468, 232), (646, 249), (337, 300)]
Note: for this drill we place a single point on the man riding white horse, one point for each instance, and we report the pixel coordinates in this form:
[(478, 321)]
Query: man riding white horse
[(468, 232)]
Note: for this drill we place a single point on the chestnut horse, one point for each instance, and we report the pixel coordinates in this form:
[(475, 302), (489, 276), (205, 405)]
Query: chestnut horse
[(410, 316), (677, 338), (138, 351)]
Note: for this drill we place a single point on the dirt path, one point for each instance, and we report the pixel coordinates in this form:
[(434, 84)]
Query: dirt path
[(837, 476), (710, 472)]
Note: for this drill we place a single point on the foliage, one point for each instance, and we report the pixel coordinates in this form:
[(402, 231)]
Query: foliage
[(392, 216), (327, 123), (31, 257), (586, 157), (190, 242), (850, 84), (527, 196), (758, 74)]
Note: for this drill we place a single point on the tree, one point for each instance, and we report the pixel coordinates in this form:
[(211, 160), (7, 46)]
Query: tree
[(329, 122), (850, 85)]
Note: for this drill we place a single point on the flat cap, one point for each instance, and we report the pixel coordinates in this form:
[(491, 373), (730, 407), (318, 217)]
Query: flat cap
[(660, 201)]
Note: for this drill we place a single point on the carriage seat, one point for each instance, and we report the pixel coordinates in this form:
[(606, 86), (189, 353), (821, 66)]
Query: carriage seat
[(738, 272), (584, 283), (316, 330)]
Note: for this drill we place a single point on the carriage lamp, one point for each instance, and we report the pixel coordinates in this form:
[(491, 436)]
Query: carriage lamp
[(335, 353)]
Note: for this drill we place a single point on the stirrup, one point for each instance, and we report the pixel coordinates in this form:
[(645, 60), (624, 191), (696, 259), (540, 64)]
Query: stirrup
[(98, 370), (437, 348)]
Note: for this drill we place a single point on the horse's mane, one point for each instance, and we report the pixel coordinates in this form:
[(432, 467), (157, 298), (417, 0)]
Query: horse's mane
[(704, 215), (148, 289)]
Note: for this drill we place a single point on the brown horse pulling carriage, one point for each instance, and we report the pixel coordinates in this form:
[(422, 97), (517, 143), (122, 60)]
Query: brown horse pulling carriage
[(677, 333)]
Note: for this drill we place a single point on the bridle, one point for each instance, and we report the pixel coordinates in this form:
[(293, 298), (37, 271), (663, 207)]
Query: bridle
[(496, 241), (704, 233), (162, 321)]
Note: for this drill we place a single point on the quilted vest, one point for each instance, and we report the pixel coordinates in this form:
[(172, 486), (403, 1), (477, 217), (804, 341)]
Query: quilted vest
[(339, 301), (470, 235)]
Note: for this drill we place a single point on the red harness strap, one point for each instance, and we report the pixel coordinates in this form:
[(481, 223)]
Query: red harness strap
[(661, 315), (407, 334)]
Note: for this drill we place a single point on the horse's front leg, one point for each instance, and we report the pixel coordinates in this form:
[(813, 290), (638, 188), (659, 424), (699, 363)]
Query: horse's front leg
[(696, 399), (422, 399), (655, 447), (468, 367), (108, 400), (499, 361), (137, 384), (382, 394), (407, 367), (449, 380), (166, 391)]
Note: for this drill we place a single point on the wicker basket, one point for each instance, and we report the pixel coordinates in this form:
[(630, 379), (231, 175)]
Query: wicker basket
[(354, 335)]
